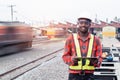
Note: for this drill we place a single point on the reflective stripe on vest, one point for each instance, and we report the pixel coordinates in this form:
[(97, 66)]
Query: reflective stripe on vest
[(78, 51)]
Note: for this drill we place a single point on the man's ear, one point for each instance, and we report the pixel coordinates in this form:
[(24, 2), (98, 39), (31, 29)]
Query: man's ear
[(90, 24), (77, 22)]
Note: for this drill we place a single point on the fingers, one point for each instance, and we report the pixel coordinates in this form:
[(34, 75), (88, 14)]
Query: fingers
[(95, 61), (75, 60)]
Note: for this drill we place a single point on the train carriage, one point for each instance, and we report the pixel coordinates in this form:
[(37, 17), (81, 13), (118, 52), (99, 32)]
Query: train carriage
[(14, 36), (53, 32), (109, 31)]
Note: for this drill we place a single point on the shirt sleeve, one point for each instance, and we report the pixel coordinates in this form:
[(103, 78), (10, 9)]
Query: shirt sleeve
[(98, 52), (67, 58)]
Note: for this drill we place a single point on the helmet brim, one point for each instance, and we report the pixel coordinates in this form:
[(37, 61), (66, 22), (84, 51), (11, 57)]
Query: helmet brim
[(84, 18)]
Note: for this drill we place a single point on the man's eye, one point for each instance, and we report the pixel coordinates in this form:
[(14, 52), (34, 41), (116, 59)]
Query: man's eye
[(84, 23)]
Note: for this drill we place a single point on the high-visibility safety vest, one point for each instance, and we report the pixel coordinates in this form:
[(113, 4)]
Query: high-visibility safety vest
[(78, 51)]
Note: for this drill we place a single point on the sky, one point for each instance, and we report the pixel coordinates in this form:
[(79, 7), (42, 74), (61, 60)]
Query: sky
[(44, 11)]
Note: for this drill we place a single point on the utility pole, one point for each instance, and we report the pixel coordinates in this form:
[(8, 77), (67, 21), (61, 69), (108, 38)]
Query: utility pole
[(11, 6), (96, 20)]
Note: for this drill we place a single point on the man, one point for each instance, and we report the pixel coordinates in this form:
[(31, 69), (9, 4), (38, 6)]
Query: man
[(83, 52)]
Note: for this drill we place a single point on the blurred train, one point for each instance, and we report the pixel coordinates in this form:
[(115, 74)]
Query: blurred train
[(14, 36), (53, 32), (109, 31)]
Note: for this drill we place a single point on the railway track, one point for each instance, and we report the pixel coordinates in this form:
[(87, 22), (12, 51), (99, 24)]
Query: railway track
[(20, 70)]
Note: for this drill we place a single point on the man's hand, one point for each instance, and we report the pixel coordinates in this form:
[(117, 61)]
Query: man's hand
[(75, 60), (93, 61)]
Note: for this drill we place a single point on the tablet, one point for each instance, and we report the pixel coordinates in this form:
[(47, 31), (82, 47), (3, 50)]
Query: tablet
[(90, 58)]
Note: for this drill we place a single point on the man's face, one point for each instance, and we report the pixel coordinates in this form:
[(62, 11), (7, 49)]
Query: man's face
[(83, 25)]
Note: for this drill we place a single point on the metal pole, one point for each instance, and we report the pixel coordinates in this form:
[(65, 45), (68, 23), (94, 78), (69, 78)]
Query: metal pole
[(11, 6)]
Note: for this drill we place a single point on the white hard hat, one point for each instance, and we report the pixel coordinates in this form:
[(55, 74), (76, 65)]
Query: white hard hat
[(85, 15)]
